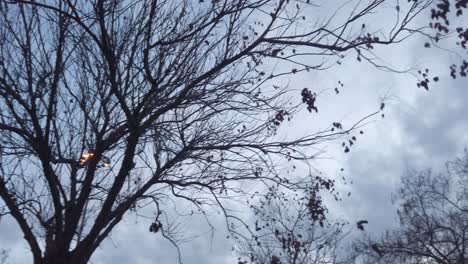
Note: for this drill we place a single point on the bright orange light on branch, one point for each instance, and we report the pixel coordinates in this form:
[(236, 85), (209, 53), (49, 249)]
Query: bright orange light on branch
[(85, 158)]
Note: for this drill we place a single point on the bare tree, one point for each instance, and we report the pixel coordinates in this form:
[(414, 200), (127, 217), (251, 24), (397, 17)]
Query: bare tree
[(433, 226), (294, 228), (108, 106)]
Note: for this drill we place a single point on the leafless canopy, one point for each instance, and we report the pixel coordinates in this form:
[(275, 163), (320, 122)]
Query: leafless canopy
[(294, 228), (106, 106), (433, 226)]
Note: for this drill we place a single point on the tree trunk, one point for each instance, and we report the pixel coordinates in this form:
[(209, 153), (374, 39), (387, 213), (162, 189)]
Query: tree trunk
[(63, 259), (57, 254)]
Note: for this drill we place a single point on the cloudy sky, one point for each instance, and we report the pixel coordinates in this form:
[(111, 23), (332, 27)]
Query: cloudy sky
[(421, 129)]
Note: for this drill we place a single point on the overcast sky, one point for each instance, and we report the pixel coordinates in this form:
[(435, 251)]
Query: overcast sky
[(421, 129)]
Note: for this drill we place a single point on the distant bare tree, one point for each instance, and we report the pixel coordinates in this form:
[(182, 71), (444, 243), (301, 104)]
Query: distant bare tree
[(433, 227), (294, 228), (108, 106)]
